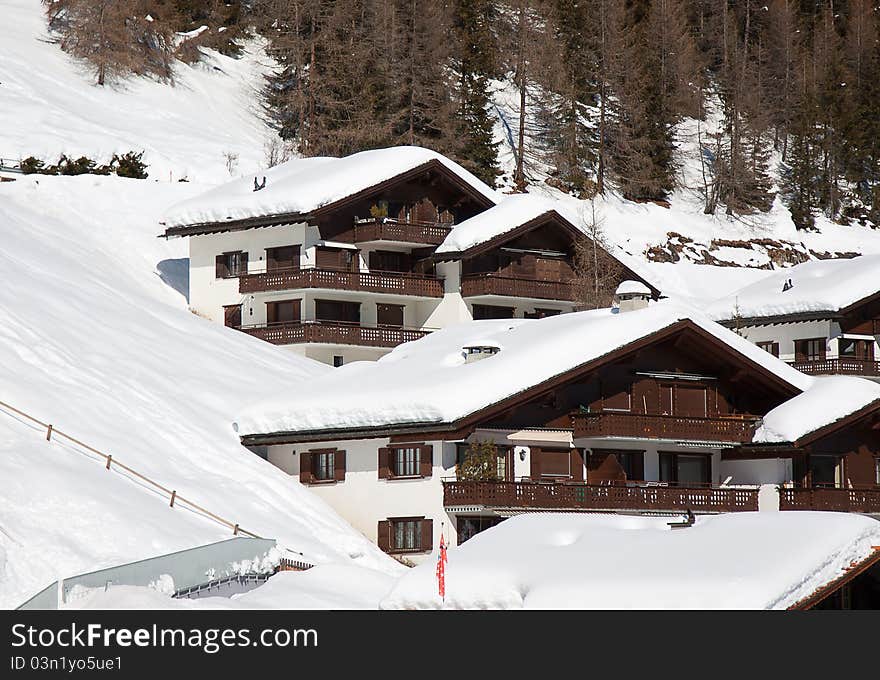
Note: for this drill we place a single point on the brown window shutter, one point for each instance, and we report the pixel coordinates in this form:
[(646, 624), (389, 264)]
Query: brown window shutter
[(384, 469), (383, 535), (577, 465), (339, 466), (427, 534), (305, 468), (220, 266), (426, 460), (244, 263), (535, 463)]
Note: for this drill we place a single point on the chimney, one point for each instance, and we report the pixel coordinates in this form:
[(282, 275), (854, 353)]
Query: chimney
[(632, 295)]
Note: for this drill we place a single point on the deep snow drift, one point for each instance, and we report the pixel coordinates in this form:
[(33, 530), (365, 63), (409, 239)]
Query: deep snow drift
[(754, 560), (96, 343)]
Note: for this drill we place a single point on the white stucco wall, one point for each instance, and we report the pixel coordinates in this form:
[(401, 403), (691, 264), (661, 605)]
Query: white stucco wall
[(363, 499), (207, 293), (770, 471)]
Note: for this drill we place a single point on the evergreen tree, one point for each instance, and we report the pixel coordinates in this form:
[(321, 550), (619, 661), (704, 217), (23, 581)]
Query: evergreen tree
[(475, 64)]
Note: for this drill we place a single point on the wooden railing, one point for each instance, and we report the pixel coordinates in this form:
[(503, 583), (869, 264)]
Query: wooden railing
[(390, 229), (395, 283), (643, 426), (488, 284), (112, 464), (830, 499), (333, 332), (840, 366), (566, 496)]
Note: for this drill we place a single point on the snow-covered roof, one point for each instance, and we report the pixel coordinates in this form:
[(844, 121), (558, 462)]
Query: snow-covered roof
[(816, 286), (303, 185), (828, 400), (748, 560), (511, 213), (632, 288), (429, 382)]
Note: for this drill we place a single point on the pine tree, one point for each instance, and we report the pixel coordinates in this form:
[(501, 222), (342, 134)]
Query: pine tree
[(475, 64)]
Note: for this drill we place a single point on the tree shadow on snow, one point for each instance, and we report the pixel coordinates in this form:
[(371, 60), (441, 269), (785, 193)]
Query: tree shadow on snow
[(175, 273)]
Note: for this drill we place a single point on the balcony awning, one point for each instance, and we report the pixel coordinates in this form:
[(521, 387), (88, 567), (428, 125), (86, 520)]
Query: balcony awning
[(336, 244), (543, 436)]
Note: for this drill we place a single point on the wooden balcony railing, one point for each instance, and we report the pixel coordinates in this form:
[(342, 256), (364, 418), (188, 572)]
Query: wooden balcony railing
[(830, 499), (642, 426), (395, 283), (487, 284), (390, 229), (570, 496), (333, 332), (840, 366)]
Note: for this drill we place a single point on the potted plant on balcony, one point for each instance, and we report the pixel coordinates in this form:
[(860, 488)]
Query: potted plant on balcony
[(480, 463)]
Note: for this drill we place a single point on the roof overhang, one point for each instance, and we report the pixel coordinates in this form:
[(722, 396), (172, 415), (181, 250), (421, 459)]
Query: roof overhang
[(461, 428), (432, 165), (825, 591)]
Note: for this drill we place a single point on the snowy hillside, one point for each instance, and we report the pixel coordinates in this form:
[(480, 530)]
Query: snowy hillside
[(49, 106), (95, 342), (680, 232)]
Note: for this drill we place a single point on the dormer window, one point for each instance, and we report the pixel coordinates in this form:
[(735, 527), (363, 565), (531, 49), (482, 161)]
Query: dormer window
[(477, 352)]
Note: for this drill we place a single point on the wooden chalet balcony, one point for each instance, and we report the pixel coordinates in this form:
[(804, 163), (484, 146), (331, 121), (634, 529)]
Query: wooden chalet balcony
[(333, 332), (391, 229), (830, 499), (577, 496), (487, 284), (840, 366), (643, 426), (395, 283)]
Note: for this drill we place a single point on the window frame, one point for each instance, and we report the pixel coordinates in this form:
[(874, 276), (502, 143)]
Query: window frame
[(412, 468), (226, 272), (806, 355), (773, 347), (675, 455)]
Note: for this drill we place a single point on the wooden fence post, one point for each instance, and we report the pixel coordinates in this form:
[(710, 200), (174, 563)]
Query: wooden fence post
[(49, 433), (173, 496), (109, 460)]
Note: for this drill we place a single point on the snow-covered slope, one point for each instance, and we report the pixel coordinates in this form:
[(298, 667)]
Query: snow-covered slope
[(49, 105), (95, 342)]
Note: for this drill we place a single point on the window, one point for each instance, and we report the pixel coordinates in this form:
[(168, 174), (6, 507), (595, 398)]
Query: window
[(337, 360), (601, 467), (389, 315), (285, 257), (856, 349), (770, 347), (405, 534), (323, 465), (825, 471), (877, 471), (812, 349), (405, 461), (283, 311), (338, 310), (230, 265), (503, 465), (320, 466), (232, 316), (492, 312), (685, 469), (468, 527)]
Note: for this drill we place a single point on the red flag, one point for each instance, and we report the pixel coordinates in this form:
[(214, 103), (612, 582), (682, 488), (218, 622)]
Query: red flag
[(441, 569)]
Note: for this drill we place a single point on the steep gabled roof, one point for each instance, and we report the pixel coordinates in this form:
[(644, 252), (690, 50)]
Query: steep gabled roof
[(830, 403), (517, 215), (302, 187), (427, 384), (819, 289)]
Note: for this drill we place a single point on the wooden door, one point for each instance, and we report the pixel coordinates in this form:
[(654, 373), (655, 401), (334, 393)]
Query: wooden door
[(389, 315), (232, 316), (283, 311), (691, 400)]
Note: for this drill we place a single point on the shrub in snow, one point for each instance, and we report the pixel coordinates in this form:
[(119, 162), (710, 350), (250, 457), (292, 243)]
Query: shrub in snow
[(480, 463), (129, 165)]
